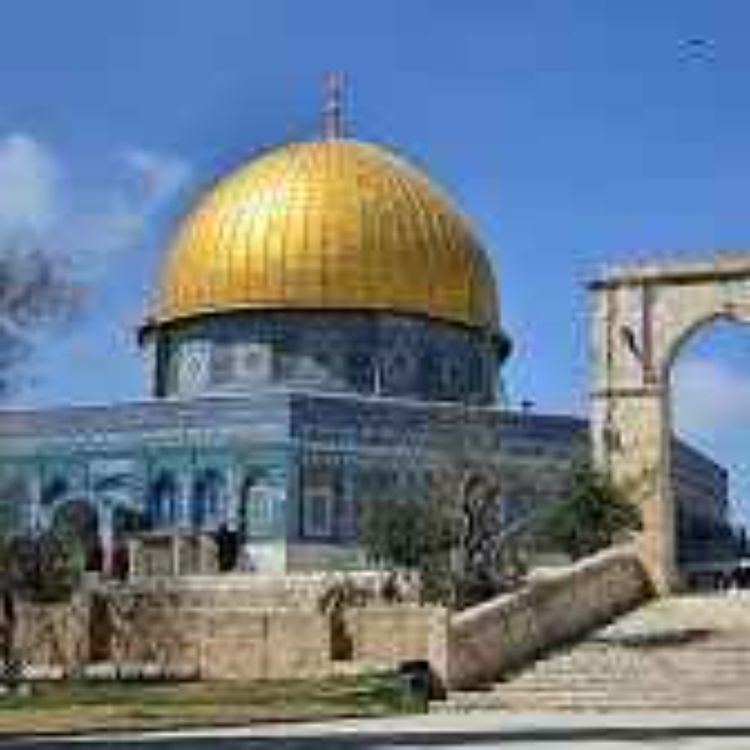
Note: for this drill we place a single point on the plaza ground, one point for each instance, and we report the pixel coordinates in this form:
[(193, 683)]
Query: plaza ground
[(714, 731)]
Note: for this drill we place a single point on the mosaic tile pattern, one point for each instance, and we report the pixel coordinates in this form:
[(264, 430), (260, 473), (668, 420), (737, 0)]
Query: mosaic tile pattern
[(285, 466), (377, 354)]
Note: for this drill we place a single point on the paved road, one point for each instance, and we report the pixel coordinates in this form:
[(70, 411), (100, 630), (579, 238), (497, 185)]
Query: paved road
[(722, 731)]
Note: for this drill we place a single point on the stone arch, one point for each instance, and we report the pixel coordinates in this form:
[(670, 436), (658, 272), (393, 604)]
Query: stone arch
[(682, 339), (642, 316), (163, 498), (208, 497)]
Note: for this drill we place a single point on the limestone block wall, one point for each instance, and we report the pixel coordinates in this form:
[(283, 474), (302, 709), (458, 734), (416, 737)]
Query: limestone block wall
[(496, 636), (384, 636), (258, 590), (171, 554), (52, 637), (188, 634), (137, 627), (263, 644), (214, 628), (209, 627)]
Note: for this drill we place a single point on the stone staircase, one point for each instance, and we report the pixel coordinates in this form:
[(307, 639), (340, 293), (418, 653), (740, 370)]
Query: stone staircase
[(688, 652)]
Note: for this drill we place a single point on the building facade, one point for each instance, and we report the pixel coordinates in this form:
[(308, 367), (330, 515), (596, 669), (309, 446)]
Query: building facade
[(325, 332)]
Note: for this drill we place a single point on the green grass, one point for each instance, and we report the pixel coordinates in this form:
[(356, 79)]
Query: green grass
[(89, 706)]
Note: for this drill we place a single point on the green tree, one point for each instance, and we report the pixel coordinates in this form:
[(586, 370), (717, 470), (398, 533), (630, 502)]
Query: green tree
[(590, 513), (493, 550), (452, 535), (414, 534)]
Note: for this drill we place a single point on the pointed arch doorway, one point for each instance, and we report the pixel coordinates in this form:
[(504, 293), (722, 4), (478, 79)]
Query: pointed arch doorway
[(642, 315)]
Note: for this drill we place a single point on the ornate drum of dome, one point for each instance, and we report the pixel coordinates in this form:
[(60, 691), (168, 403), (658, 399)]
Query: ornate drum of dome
[(330, 264)]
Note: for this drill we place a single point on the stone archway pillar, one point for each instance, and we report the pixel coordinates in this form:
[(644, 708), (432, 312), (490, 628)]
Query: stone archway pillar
[(642, 314), (632, 443)]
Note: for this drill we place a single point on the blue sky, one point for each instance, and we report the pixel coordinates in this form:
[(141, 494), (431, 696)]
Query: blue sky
[(573, 132)]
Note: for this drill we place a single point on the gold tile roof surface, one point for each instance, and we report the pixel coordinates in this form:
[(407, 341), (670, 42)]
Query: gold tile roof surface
[(333, 225)]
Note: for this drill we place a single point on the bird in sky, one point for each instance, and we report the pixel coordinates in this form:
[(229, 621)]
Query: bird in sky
[(697, 49)]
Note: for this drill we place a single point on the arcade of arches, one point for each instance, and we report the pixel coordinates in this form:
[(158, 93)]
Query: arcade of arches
[(642, 315)]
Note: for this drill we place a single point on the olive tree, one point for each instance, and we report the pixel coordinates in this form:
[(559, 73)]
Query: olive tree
[(466, 545), (590, 512), (454, 535)]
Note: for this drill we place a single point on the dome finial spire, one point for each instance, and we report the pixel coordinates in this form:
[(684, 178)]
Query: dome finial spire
[(333, 89)]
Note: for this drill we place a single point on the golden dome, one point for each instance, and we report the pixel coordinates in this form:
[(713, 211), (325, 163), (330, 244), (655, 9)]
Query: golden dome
[(334, 225)]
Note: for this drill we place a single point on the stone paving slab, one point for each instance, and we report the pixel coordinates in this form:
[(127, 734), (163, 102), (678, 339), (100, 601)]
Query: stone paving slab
[(684, 652), (694, 731)]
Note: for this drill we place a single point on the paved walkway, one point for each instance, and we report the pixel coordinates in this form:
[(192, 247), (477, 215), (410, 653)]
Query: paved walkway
[(675, 654), (694, 731)]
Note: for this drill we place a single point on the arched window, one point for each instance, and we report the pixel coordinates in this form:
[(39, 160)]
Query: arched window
[(55, 488), (208, 498), (222, 363), (360, 371), (162, 499), (257, 507)]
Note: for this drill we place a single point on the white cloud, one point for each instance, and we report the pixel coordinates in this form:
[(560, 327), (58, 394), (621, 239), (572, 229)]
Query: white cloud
[(710, 398), (161, 176), (30, 187), (45, 200), (97, 234)]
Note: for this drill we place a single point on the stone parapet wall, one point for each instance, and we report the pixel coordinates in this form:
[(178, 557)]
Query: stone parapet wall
[(256, 590), (172, 554), (208, 633), (384, 636), (311, 558), (53, 635), (222, 627), (269, 627), (256, 645), (133, 627), (497, 636)]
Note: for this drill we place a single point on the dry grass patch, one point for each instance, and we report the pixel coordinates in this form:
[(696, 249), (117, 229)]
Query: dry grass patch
[(91, 706)]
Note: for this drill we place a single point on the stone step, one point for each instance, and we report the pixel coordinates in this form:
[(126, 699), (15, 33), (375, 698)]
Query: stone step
[(688, 696), (591, 706), (663, 667), (642, 679), (568, 705), (665, 673), (613, 671), (651, 687), (696, 655), (661, 662), (631, 653), (742, 690), (739, 699)]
